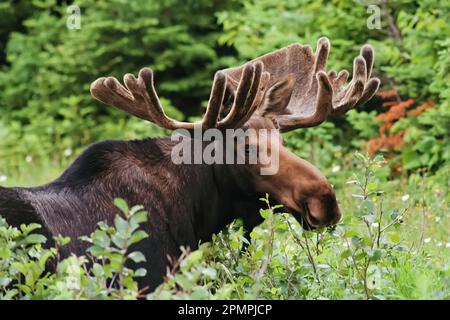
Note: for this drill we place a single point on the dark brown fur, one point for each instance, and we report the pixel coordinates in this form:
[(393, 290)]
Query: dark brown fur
[(186, 203)]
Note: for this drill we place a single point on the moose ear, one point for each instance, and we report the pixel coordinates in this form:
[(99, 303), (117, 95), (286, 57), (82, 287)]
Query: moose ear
[(278, 96)]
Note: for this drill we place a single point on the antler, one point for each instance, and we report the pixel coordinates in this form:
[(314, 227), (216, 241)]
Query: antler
[(316, 94), (139, 98)]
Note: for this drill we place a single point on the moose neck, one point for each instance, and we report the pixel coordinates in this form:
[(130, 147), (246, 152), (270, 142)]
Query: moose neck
[(222, 193)]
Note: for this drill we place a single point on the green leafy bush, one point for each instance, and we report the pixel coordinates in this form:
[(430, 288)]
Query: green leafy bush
[(101, 274), (393, 242), (45, 101), (369, 255), (380, 250)]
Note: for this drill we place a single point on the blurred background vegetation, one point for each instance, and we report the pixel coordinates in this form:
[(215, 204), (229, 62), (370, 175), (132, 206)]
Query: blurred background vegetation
[(48, 117)]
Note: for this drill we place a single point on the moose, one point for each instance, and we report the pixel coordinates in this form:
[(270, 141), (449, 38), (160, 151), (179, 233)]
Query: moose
[(186, 204)]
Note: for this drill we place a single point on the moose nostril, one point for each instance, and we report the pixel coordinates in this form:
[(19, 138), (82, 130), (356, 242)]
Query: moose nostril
[(328, 220), (313, 220)]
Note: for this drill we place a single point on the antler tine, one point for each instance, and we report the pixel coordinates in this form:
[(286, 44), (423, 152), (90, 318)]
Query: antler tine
[(368, 55), (110, 91), (322, 51), (247, 92), (370, 90), (139, 98), (362, 88), (144, 93), (263, 84), (331, 98), (215, 100), (314, 94), (372, 84)]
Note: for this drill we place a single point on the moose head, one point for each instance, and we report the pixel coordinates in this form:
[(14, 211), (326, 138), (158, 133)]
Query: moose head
[(280, 91)]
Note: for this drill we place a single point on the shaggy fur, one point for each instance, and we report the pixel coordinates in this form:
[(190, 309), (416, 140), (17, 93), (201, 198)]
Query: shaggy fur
[(185, 203)]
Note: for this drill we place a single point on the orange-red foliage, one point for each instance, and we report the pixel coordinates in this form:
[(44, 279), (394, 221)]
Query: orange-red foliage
[(420, 109), (397, 109)]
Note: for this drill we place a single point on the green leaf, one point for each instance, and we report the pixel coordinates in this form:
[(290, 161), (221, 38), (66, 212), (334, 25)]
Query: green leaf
[(357, 242), (394, 236), (137, 256), (210, 272), (139, 217), (119, 241), (195, 256), (137, 236), (410, 159), (371, 186), (5, 253), (35, 238), (258, 254), (100, 238), (97, 251), (121, 225), (199, 293), (141, 272), (26, 229), (347, 253), (367, 207), (376, 255), (122, 205), (265, 213)]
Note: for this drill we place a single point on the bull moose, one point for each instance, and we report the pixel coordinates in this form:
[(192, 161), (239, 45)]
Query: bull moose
[(283, 90)]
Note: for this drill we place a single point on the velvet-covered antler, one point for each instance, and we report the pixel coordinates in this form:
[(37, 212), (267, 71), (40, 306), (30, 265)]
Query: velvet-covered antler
[(316, 94), (138, 97)]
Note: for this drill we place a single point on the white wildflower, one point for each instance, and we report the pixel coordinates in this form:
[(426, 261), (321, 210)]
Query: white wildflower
[(375, 225), (439, 244), (426, 240), (3, 178), (405, 197), (67, 152), (336, 169), (28, 158)]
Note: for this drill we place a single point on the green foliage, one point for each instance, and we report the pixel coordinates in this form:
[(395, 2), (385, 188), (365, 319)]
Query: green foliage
[(46, 69), (316, 143), (44, 86), (427, 139), (421, 69), (412, 55), (101, 274), (364, 123), (369, 255), (386, 247)]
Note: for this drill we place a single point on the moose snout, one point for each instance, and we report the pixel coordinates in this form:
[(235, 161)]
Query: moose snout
[(322, 212)]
